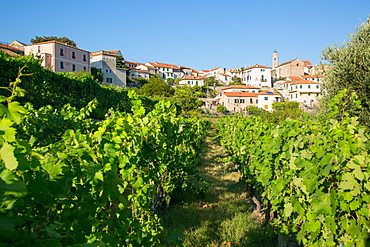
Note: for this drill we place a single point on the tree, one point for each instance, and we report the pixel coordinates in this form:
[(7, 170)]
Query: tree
[(97, 74), (187, 98), (237, 80), (210, 81), (221, 109), (156, 88), (350, 69), (66, 40)]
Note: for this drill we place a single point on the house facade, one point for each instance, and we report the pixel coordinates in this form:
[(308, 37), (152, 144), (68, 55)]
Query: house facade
[(138, 73), (305, 92), (60, 57), (106, 62), (167, 71), (191, 81), (237, 98), (257, 76)]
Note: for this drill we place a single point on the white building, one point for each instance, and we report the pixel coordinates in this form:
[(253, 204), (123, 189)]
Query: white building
[(257, 76), (192, 81), (305, 92)]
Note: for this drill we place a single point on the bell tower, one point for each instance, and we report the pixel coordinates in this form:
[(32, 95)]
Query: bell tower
[(275, 59)]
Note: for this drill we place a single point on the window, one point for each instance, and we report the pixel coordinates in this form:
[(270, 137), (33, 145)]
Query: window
[(296, 95), (228, 100), (132, 74), (256, 101), (236, 101), (73, 67), (84, 58), (109, 80), (61, 52), (188, 82), (38, 49), (61, 65), (262, 69), (266, 98), (251, 100), (300, 86), (317, 94), (242, 101), (317, 86), (196, 83), (309, 86), (73, 55), (309, 94), (85, 68), (108, 71)]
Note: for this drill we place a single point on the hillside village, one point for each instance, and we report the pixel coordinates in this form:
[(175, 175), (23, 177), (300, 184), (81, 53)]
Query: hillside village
[(257, 85)]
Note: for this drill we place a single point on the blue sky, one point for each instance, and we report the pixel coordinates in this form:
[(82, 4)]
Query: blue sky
[(200, 34)]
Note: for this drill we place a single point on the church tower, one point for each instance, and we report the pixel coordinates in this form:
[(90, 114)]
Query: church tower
[(275, 59)]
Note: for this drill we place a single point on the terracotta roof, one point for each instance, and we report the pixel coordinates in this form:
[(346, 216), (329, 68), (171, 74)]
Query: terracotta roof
[(204, 70), (54, 41), (241, 87), (257, 66), (301, 81), (214, 69), (295, 78), (268, 93), (240, 94), (139, 70), (194, 71), (10, 53), (135, 63), (288, 82), (224, 74), (312, 76), (164, 65), (189, 77), (8, 47)]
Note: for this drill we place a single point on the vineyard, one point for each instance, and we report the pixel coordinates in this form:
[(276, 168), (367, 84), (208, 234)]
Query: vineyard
[(68, 180), (309, 177)]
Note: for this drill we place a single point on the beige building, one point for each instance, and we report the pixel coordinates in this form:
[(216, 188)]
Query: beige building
[(17, 44), (106, 62), (60, 57), (295, 67)]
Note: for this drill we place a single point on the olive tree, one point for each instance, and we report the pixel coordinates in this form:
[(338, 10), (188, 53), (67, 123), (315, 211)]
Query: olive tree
[(350, 69)]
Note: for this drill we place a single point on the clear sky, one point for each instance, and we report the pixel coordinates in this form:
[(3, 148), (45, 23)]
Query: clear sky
[(201, 34)]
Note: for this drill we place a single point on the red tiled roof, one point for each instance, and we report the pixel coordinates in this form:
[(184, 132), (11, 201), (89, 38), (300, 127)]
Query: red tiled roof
[(8, 47), (295, 77), (189, 77), (139, 70), (224, 74), (194, 71), (135, 63), (267, 93), (311, 76), (241, 87), (240, 94), (10, 53), (301, 81), (164, 65), (54, 41)]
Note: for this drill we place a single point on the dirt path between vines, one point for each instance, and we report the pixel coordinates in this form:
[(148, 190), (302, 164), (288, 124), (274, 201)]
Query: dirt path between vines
[(223, 217)]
